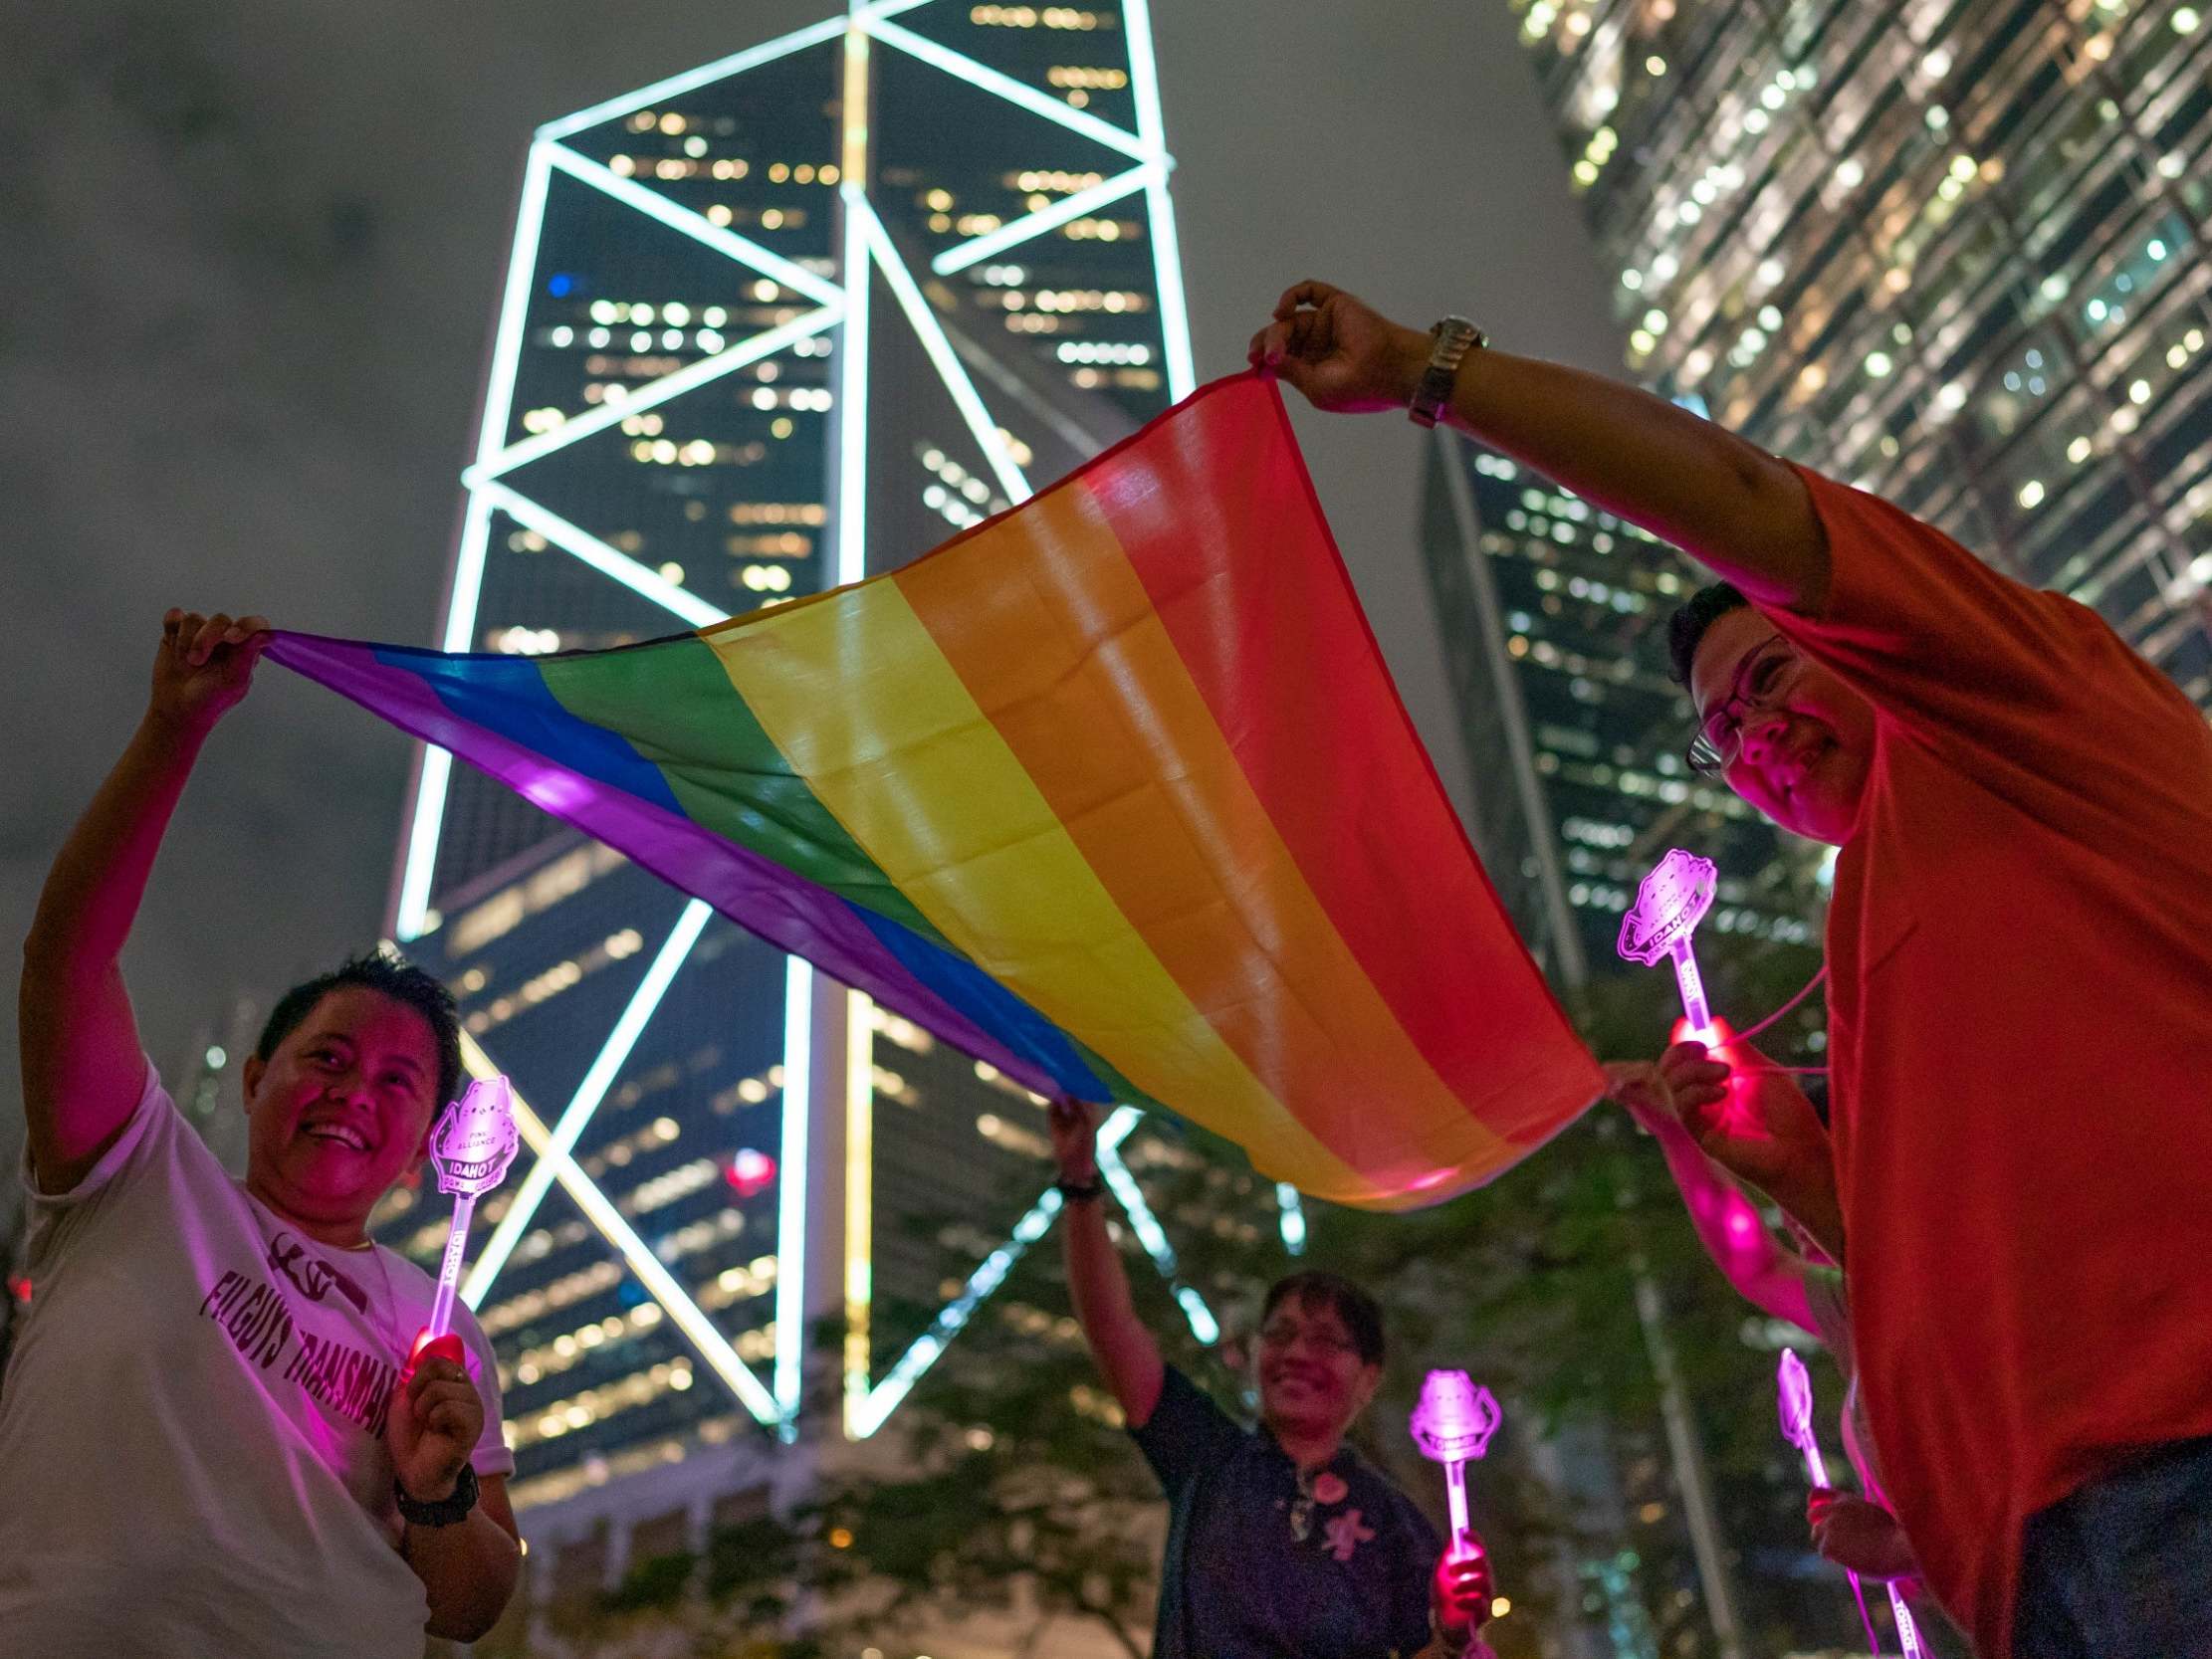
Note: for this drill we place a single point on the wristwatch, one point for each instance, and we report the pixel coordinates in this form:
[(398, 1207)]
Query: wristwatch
[(446, 1511), (1453, 338), (1081, 1192)]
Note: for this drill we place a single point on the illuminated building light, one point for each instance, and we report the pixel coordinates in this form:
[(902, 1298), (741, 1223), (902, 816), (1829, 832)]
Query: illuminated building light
[(1153, 1238), (1293, 1214), (962, 255), (866, 1408), (791, 1221), (410, 912), (852, 397), (507, 350), (1141, 1218), (1203, 1324), (589, 1093), (1167, 252), (607, 560), (964, 68), (838, 322), (751, 1171), (676, 85), (688, 378), (859, 1203), (940, 355), (728, 243), (433, 774), (659, 1283)]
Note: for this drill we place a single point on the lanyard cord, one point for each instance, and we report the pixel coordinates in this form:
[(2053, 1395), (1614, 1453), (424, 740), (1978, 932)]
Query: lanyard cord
[(1747, 1036)]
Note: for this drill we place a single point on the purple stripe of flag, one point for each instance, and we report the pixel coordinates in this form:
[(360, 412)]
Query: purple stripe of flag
[(789, 912)]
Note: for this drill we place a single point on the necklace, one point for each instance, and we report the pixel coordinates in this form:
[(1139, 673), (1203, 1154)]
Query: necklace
[(1301, 1508)]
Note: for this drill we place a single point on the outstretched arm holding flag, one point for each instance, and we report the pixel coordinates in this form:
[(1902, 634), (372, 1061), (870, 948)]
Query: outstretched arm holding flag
[(1352, 1554), (2023, 811), (226, 1363)]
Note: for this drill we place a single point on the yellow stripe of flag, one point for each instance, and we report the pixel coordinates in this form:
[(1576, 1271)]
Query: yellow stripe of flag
[(861, 701)]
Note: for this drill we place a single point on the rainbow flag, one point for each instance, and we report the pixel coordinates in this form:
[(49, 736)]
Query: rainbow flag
[(1112, 792)]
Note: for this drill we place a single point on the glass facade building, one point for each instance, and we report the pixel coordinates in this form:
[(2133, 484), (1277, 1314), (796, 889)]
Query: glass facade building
[(1553, 618), (773, 325), (1951, 253)]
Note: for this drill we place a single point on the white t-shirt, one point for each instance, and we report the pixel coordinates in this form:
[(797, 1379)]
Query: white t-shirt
[(191, 1451)]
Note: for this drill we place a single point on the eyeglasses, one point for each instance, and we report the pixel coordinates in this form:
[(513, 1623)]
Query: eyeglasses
[(1761, 682), (1280, 1333)]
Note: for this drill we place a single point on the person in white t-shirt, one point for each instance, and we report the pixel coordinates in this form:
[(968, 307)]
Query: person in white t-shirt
[(215, 1437)]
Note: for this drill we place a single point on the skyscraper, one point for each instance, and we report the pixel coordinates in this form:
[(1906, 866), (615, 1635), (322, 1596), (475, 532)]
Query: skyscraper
[(1553, 620), (771, 324), (1952, 255)]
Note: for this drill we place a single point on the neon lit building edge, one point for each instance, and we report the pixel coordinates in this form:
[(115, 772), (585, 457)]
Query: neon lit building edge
[(844, 308)]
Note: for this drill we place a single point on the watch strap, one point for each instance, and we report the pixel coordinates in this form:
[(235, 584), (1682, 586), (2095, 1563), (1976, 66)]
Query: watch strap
[(1081, 1192), (1452, 338), (447, 1511)]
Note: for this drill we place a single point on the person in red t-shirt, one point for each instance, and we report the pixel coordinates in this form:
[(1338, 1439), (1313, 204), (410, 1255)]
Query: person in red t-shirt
[(2020, 995)]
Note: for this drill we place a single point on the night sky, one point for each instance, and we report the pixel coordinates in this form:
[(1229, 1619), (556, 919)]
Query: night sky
[(252, 253)]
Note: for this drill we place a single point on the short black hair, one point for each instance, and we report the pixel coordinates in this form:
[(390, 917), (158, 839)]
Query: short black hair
[(1687, 627), (1361, 1313), (386, 973)]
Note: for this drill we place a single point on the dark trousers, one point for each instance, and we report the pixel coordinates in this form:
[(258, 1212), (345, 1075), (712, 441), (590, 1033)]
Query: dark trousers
[(2122, 1568)]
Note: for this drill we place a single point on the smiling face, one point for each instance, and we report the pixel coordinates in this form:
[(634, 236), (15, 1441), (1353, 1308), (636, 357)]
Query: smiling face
[(340, 1110), (1807, 738), (1312, 1379)]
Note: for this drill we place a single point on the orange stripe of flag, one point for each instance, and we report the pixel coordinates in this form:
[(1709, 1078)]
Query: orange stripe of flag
[(862, 701), (1103, 717), (1223, 530)]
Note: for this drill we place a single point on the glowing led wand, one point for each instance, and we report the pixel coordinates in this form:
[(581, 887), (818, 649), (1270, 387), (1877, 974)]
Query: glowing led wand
[(471, 1149), (1669, 906), (1796, 1390), (1453, 1424)]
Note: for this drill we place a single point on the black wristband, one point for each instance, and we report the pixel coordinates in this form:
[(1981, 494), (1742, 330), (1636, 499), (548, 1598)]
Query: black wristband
[(1081, 1192), (446, 1511)]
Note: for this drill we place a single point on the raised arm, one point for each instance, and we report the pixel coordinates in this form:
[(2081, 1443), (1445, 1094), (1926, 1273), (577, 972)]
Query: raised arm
[(1126, 1355), (1727, 1222), (1750, 1119), (83, 1068), (1725, 502)]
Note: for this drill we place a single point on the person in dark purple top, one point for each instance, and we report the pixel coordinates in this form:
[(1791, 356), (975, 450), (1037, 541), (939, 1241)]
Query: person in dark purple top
[(1283, 1542)]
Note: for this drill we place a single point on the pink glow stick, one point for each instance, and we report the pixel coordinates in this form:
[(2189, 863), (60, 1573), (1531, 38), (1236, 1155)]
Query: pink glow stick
[(1452, 1425), (1669, 904), (1796, 1389), (1908, 1633), (471, 1149)]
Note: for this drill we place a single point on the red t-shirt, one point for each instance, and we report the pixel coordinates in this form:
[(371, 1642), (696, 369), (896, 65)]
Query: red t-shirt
[(2020, 1005)]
